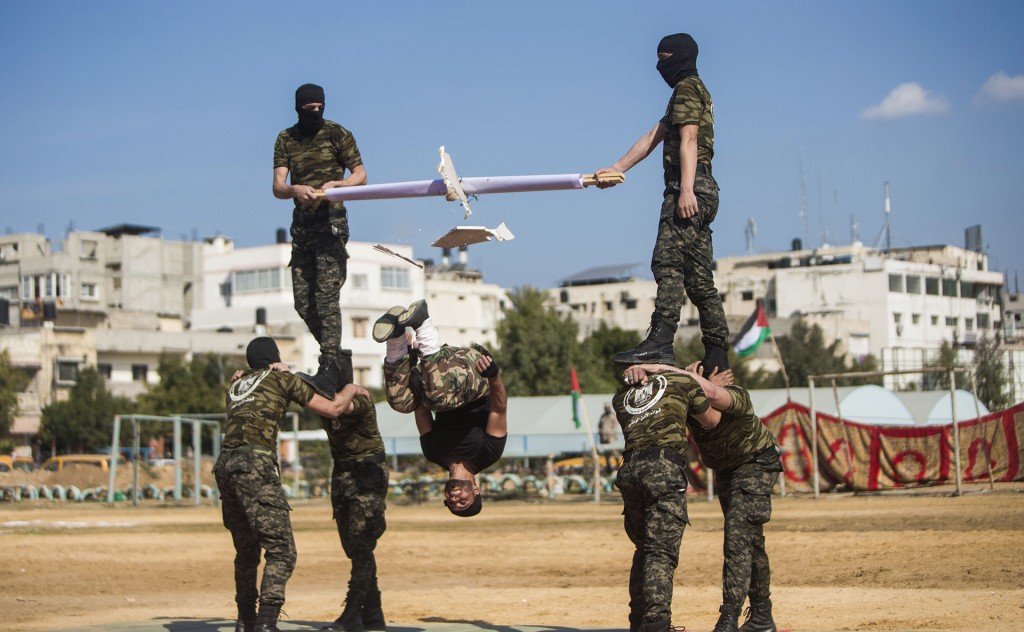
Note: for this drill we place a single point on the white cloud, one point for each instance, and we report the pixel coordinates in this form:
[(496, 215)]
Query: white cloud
[(908, 99), (1001, 88)]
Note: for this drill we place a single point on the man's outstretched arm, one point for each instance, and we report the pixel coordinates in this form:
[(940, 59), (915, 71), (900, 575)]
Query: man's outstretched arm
[(497, 421)]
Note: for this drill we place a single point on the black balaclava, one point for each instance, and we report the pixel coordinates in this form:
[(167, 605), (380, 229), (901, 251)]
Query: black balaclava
[(262, 352), (682, 63), (309, 122)]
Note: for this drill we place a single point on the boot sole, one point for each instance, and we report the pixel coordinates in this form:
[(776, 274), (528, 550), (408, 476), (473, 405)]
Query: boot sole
[(387, 326), (415, 315)]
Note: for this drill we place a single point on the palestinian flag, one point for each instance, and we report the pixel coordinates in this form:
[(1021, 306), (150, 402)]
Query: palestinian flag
[(575, 397), (754, 332)]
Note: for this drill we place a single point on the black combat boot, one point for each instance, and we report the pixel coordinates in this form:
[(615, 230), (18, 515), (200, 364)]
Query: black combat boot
[(350, 620), (325, 382), (715, 356), (266, 620), (415, 315), (728, 619), (246, 618), (665, 625), (372, 614), (759, 617), (387, 327), (656, 348)]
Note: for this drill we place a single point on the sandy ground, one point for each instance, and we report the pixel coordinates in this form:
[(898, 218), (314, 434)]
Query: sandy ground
[(892, 562)]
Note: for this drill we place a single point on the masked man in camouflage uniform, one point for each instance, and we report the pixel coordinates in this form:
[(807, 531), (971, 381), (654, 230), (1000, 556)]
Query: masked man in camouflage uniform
[(253, 504), (310, 157), (458, 398), (683, 256), (359, 485), (746, 460), (652, 479)]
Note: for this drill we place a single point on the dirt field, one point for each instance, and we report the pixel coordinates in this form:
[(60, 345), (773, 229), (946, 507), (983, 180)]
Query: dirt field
[(906, 562)]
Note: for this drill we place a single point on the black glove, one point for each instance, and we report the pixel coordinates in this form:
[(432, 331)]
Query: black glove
[(492, 370)]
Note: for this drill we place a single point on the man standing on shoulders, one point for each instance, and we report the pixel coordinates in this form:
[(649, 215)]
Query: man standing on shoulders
[(652, 479), (746, 460), (310, 157), (359, 486), (253, 504), (683, 257)]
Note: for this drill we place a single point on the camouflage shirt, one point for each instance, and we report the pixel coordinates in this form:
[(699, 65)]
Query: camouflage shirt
[(256, 405), (653, 415), (355, 435), (738, 437), (690, 105), (314, 162)]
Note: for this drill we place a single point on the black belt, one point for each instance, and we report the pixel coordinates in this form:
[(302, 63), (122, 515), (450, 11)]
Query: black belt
[(703, 169), (247, 449), (652, 454), (347, 465)]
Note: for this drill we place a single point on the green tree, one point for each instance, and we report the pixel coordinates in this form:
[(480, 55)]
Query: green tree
[(805, 353), (538, 347), (12, 382), (990, 374), (84, 422), (947, 359), (596, 369), (187, 388)]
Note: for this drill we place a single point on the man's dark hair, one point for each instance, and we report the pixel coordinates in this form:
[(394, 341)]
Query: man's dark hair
[(468, 512)]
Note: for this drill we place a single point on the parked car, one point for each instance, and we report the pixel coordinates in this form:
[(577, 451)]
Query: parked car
[(102, 461)]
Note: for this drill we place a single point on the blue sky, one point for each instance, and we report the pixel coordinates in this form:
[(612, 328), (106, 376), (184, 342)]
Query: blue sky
[(165, 114)]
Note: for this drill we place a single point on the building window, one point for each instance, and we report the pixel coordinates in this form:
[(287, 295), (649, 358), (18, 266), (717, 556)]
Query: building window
[(983, 321), (105, 370), (913, 284), (895, 282), (139, 372), (915, 319), (359, 327), (630, 303), (394, 278), (88, 292), (67, 371), (931, 286), (257, 280), (935, 320), (949, 287), (89, 249), (951, 321), (897, 317), (967, 289), (361, 374), (968, 324), (46, 285), (747, 295), (360, 281), (608, 306)]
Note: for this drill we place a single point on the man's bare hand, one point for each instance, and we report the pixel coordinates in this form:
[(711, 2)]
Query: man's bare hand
[(687, 206), (304, 194), (606, 185)]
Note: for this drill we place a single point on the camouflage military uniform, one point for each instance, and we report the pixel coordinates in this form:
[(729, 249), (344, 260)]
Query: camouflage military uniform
[(359, 485), (745, 457), (442, 381), (683, 255), (253, 504), (319, 231), (652, 480)]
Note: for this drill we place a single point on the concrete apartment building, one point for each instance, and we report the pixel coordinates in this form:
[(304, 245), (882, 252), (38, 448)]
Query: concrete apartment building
[(120, 297)]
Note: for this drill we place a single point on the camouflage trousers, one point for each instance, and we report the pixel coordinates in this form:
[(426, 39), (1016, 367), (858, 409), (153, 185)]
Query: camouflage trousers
[(654, 514), (683, 261), (358, 491), (255, 510), (319, 265), (441, 381), (745, 497)]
